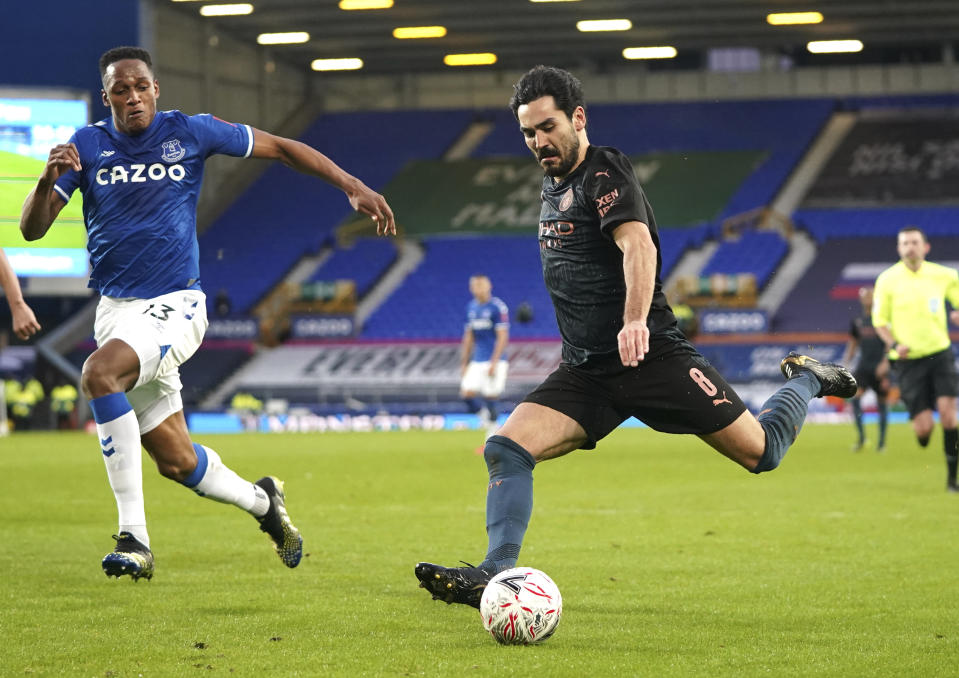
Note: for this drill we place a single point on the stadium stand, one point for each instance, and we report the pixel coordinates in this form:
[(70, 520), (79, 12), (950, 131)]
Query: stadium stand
[(898, 101), (824, 224), (208, 367), (673, 242), (362, 261), (757, 253), (826, 297), (286, 215), (701, 126), (439, 283), (431, 303), (242, 252)]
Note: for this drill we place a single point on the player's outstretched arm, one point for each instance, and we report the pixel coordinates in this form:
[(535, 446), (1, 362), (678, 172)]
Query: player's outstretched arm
[(308, 160), (639, 270), (43, 204), (466, 349), (25, 323)]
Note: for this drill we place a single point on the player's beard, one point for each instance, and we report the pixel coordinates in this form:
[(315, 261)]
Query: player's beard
[(568, 154)]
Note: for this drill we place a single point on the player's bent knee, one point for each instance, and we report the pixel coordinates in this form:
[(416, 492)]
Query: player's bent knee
[(506, 457), (765, 464), (769, 460), (97, 379)]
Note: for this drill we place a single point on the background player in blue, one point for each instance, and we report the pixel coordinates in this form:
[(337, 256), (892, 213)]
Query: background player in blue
[(140, 172), (872, 370), (483, 361), (622, 352)]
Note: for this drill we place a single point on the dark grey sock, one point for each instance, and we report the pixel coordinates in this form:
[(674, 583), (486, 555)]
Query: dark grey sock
[(782, 417), (509, 501)]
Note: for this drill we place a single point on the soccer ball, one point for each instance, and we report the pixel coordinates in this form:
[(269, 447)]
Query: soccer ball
[(521, 606)]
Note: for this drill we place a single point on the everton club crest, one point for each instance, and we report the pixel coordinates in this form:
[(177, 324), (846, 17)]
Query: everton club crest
[(172, 151)]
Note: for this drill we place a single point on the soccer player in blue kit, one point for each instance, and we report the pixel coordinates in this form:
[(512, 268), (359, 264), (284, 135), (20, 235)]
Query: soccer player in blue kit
[(484, 364), (623, 354), (139, 172)]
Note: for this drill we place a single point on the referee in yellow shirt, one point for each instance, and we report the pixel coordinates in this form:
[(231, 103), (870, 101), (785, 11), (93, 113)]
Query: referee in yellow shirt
[(909, 314)]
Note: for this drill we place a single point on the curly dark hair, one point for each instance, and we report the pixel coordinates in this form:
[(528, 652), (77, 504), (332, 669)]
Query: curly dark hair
[(543, 81), (120, 53)]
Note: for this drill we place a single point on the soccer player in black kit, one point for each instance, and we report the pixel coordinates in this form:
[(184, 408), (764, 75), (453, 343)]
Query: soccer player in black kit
[(622, 352), (872, 371)]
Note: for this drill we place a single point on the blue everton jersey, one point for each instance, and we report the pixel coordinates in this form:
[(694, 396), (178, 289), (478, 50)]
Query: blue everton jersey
[(139, 199), (483, 319)]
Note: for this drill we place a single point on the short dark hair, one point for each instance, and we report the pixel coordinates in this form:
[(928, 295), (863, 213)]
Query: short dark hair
[(543, 81), (914, 229), (120, 53)]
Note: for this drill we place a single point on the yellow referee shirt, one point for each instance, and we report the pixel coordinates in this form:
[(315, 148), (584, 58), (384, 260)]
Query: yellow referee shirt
[(913, 306)]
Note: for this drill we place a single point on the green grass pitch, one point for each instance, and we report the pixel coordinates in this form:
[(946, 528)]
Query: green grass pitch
[(672, 561)]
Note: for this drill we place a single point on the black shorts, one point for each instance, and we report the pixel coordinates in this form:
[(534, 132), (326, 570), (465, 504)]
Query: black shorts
[(866, 378), (674, 390), (924, 379)]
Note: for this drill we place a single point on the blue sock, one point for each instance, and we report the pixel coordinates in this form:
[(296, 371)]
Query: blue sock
[(857, 413), (782, 417), (491, 408), (474, 404), (509, 501)]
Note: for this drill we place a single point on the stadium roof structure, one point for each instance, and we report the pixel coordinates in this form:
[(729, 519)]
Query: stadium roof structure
[(525, 32)]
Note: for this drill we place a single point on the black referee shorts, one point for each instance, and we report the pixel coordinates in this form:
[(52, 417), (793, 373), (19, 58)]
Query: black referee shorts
[(922, 380), (674, 390)]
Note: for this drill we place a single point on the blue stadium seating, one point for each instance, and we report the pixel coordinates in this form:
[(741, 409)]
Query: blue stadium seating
[(673, 242), (700, 126), (285, 214), (899, 101), (823, 224), (208, 368), (364, 261), (431, 303), (753, 252)]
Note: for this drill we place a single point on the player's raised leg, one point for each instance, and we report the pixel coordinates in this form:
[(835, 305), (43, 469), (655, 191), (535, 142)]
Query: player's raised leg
[(760, 443)]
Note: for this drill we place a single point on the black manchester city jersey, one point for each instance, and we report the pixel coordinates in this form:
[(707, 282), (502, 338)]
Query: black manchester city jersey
[(871, 348), (582, 266)]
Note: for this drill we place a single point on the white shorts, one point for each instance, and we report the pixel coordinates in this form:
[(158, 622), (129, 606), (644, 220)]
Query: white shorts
[(164, 332), (476, 379)]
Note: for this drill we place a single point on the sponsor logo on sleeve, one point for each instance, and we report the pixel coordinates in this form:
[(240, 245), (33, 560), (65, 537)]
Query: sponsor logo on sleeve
[(606, 202)]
